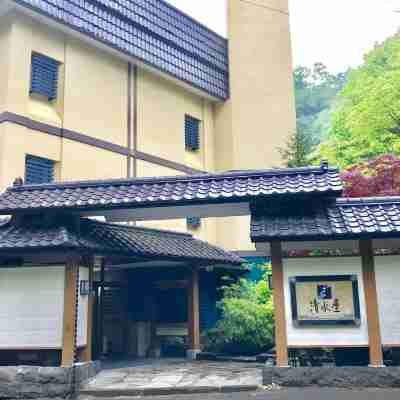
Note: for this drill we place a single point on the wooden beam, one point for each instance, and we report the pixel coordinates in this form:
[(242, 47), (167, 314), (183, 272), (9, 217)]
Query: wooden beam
[(371, 303), (87, 351), (194, 313), (70, 312), (282, 358)]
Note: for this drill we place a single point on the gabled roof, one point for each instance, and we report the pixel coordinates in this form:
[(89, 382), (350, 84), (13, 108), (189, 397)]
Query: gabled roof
[(151, 31), (203, 189), (109, 239), (341, 219)]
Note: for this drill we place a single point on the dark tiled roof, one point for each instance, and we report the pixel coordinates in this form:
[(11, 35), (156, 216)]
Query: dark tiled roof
[(195, 189), (152, 243), (143, 243), (345, 219), (152, 31)]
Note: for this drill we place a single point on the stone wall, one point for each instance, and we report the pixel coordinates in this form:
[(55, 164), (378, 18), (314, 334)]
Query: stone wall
[(43, 382), (342, 377)]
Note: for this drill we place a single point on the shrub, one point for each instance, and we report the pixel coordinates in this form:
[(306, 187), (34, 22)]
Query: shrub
[(247, 323)]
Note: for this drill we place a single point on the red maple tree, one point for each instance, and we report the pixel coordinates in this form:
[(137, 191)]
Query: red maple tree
[(378, 177)]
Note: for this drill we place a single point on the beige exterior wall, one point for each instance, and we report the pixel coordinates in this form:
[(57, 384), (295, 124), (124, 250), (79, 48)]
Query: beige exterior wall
[(260, 116), (93, 100), (28, 36), (162, 106), (5, 33), (17, 141), (84, 162), (96, 93)]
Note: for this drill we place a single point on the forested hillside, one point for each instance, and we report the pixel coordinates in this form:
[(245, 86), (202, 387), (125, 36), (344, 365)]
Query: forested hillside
[(349, 118), (316, 98)]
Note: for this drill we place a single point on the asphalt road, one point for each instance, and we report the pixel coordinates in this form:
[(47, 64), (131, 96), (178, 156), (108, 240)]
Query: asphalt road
[(285, 394)]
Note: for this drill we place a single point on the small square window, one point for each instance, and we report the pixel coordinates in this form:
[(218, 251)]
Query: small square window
[(192, 133), (44, 76), (193, 222), (38, 170)]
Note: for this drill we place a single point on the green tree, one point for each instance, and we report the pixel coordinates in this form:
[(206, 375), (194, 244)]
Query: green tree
[(247, 323), (316, 92), (367, 121)]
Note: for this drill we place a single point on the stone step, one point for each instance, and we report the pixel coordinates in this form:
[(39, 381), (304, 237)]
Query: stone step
[(89, 394)]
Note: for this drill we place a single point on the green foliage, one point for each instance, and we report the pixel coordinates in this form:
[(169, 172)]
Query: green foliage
[(367, 121), (316, 92), (247, 323)]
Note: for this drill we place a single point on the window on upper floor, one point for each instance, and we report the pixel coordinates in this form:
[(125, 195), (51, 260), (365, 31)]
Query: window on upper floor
[(38, 170), (192, 133), (44, 76), (193, 222)]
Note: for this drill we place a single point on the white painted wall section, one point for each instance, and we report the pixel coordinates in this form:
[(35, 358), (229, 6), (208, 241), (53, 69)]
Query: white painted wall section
[(325, 336), (387, 270), (31, 307)]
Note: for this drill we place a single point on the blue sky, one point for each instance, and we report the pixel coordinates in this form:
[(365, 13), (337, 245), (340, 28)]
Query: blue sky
[(335, 32)]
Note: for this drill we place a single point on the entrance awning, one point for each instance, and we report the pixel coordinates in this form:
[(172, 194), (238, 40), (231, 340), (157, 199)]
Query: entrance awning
[(140, 245), (204, 195), (339, 219)]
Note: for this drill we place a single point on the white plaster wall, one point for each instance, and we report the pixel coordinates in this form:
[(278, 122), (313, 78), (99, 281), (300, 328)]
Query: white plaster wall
[(387, 281), (82, 310), (31, 307), (325, 336)]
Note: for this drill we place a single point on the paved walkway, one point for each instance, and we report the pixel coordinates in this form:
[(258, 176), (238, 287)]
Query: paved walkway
[(172, 376), (290, 394)]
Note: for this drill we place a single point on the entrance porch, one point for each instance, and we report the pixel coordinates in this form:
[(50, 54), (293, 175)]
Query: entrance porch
[(172, 376), (153, 312)]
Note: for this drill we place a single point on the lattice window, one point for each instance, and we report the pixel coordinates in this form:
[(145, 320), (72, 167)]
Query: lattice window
[(38, 170), (44, 76), (192, 133)]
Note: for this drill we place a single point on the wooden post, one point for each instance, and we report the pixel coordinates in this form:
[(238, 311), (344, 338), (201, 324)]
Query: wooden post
[(194, 316), (70, 312), (282, 358), (371, 303), (87, 351)]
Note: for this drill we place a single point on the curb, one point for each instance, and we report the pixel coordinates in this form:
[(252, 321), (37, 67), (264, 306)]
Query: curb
[(168, 391)]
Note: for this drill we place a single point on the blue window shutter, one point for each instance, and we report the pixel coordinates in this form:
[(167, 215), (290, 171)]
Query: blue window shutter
[(38, 170), (44, 76), (192, 133), (193, 222)]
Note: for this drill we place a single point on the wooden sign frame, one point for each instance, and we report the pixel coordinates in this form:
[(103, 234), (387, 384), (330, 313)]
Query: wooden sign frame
[(356, 321)]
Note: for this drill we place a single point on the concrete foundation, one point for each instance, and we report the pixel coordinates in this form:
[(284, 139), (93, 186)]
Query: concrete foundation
[(340, 377), (27, 382)]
